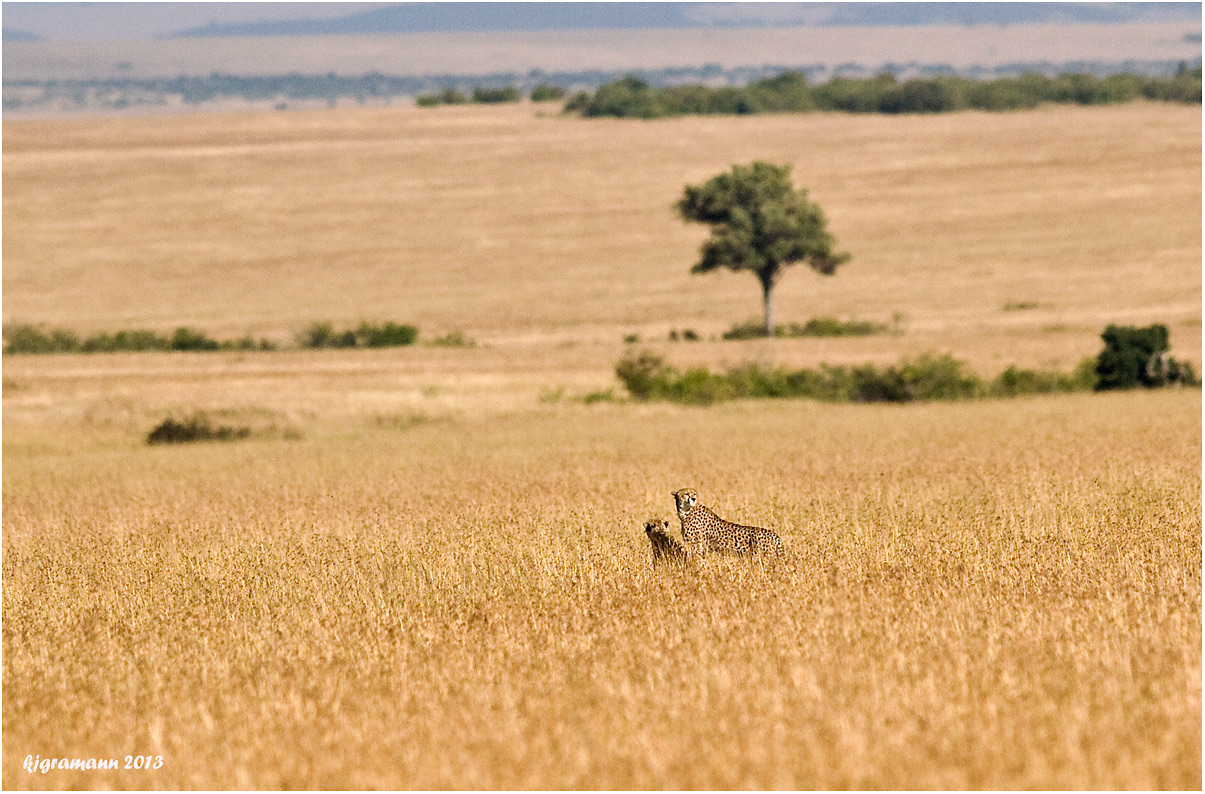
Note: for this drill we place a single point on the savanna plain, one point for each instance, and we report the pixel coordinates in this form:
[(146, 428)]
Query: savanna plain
[(426, 568)]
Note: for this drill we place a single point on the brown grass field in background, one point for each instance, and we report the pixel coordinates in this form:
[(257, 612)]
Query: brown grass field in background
[(427, 568), (515, 227)]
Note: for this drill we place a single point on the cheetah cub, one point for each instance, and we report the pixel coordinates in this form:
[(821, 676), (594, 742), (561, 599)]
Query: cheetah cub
[(665, 546), (705, 532)]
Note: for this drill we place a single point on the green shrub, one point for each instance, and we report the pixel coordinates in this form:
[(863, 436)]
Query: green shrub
[(599, 397), (195, 428), (831, 326), (318, 335), (643, 375), (323, 335), (30, 339), (815, 327), (1015, 381), (1134, 357), (447, 96), (248, 343), (869, 384), (579, 102), (933, 377), (495, 95), (549, 395), (187, 339), (452, 339), (629, 97), (753, 329), (697, 386), (137, 341), (385, 335), (927, 377), (547, 93)]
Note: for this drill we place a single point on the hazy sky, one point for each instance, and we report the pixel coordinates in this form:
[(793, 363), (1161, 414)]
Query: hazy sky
[(99, 21)]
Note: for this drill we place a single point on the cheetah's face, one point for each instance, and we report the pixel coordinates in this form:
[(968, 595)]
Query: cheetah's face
[(685, 499), (656, 524)]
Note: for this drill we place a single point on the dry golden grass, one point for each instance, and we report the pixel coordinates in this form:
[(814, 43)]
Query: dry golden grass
[(990, 595), (522, 230)]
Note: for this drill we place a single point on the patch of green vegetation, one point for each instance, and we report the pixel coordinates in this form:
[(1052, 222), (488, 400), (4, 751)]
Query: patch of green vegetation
[(634, 97), (193, 429), (1132, 357), (546, 92), (389, 334), (453, 339), (30, 339), (604, 396), (928, 377), (815, 327), (1135, 357), (550, 395)]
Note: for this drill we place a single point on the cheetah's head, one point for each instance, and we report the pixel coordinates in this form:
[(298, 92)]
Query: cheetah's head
[(656, 525), (684, 500)]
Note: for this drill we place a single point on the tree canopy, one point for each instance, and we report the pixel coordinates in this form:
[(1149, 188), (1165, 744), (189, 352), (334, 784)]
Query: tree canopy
[(761, 223)]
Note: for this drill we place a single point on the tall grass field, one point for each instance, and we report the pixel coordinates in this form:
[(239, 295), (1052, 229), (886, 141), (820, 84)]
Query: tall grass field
[(986, 595), (425, 567)]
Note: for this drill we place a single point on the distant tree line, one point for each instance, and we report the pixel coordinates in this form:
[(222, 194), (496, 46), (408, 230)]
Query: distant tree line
[(372, 87), (649, 94), (489, 96), (633, 97)]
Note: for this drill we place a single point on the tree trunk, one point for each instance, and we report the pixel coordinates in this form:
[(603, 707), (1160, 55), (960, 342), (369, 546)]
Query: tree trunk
[(767, 284)]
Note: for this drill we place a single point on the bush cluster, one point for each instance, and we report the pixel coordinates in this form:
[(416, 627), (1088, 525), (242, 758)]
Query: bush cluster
[(195, 428), (483, 95), (447, 96), (928, 377), (1131, 358), (389, 334), (633, 97), (32, 339), (815, 327), (546, 92), (1134, 357)]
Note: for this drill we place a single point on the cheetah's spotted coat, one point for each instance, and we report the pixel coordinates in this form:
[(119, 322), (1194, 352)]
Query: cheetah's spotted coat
[(706, 532)]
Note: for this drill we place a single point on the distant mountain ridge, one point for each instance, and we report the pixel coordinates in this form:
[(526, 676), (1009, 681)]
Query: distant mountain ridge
[(14, 34), (483, 17)]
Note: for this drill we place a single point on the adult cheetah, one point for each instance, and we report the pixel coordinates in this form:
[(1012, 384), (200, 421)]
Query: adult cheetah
[(665, 546), (705, 532)]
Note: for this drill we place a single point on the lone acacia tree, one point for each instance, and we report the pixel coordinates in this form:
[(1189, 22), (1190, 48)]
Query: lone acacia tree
[(759, 222)]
